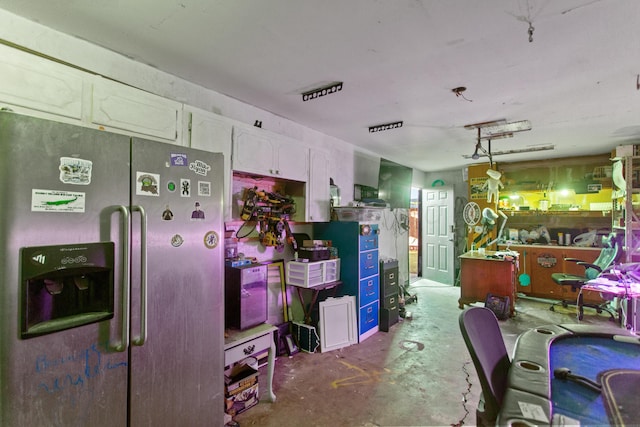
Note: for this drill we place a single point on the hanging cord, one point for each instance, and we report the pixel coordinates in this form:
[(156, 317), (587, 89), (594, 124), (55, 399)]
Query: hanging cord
[(464, 396), (255, 223)]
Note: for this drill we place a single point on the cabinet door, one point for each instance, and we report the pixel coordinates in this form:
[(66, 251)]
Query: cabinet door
[(291, 159), (318, 189), (209, 132), (253, 152), (39, 84), (543, 263), (122, 107)]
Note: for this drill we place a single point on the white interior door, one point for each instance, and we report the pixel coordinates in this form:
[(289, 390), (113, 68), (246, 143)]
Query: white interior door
[(438, 235)]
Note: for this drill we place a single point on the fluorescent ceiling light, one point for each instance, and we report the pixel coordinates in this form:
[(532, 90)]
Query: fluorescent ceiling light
[(512, 127), (322, 91), (514, 151), (385, 126)]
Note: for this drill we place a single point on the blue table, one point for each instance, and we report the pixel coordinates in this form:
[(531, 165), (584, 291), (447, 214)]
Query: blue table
[(606, 355)]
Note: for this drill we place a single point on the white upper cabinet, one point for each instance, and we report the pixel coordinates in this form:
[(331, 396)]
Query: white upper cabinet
[(265, 153), (210, 132), (39, 84), (118, 106), (318, 197)]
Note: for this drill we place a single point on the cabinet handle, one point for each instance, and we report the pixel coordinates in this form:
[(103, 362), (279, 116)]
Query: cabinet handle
[(249, 349)]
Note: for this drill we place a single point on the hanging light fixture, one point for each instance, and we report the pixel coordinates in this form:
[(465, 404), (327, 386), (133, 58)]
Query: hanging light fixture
[(479, 147), (475, 155)]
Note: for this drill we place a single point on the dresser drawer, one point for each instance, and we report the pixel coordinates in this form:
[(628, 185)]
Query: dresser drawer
[(246, 349)]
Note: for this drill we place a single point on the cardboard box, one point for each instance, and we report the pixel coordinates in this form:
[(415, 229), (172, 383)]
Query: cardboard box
[(241, 389)]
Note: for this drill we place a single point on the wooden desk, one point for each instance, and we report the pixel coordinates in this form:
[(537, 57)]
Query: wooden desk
[(480, 275), (239, 345)]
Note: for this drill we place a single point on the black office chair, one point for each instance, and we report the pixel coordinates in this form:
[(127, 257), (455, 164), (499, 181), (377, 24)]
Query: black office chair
[(481, 333), (608, 255)]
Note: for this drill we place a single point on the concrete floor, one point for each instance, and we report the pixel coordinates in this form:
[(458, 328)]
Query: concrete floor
[(417, 374)]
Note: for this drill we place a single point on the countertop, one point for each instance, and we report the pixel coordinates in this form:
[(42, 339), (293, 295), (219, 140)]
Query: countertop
[(487, 255), (522, 245)]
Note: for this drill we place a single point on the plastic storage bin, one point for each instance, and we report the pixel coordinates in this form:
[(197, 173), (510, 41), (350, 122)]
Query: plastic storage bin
[(305, 274), (331, 270), (311, 274)]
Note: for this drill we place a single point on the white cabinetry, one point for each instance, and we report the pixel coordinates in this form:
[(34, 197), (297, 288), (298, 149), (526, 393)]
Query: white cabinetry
[(36, 86), (118, 106), (318, 197), (265, 153), (39, 85), (210, 132)]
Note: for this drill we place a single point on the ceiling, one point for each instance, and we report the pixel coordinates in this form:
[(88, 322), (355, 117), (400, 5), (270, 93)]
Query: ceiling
[(576, 80)]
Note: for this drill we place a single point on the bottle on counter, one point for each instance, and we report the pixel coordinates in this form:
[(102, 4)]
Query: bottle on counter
[(543, 204)]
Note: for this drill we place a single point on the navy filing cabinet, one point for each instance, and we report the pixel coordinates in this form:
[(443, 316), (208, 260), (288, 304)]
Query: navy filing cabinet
[(357, 245)]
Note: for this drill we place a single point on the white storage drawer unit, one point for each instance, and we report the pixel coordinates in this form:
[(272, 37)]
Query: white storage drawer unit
[(311, 274)]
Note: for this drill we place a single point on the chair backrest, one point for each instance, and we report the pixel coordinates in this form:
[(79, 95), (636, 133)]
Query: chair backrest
[(481, 333), (607, 256)]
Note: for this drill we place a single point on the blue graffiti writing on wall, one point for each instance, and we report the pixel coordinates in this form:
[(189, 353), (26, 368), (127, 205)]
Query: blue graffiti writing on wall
[(75, 370)]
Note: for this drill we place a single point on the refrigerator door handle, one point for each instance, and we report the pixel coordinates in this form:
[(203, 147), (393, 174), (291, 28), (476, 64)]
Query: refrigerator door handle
[(139, 340), (124, 291)]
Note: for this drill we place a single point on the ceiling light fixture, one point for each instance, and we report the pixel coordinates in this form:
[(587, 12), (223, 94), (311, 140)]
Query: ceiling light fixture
[(385, 126), (479, 147), (512, 127), (497, 127), (459, 90), (514, 151), (322, 91)]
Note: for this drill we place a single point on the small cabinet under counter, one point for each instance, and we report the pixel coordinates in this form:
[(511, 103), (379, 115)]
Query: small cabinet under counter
[(541, 261)]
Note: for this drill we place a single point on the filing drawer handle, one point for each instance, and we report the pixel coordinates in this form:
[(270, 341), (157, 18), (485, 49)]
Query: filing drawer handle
[(249, 349)]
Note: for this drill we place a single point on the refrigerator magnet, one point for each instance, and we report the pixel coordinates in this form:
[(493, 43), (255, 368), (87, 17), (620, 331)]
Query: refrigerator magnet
[(204, 188), (211, 239), (75, 171), (147, 184), (185, 187), (199, 167), (178, 159), (177, 241)]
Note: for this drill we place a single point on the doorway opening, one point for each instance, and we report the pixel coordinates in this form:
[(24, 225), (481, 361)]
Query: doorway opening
[(415, 248)]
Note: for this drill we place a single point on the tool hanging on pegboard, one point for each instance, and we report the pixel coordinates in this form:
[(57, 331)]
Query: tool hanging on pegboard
[(271, 211)]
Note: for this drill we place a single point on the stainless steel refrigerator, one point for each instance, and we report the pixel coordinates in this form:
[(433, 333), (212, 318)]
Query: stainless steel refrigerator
[(112, 304)]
